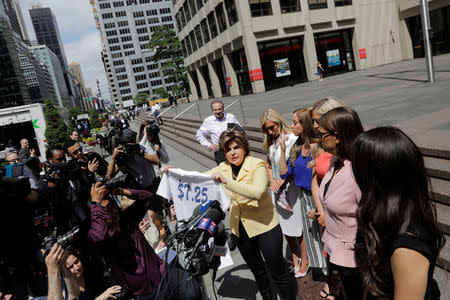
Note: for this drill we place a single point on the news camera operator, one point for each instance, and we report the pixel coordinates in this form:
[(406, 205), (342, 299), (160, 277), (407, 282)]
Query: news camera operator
[(135, 160), (133, 262)]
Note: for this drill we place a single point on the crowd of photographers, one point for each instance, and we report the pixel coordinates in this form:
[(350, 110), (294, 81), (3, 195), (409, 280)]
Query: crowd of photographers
[(63, 230)]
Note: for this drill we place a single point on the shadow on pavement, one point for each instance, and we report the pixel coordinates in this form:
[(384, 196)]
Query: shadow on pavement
[(234, 286)]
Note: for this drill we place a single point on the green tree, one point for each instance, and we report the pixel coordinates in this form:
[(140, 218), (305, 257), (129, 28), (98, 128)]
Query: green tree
[(162, 92), (168, 52), (56, 130), (95, 122), (74, 112), (141, 98)]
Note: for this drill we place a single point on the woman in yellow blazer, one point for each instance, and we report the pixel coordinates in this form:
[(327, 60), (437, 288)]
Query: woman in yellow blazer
[(253, 219)]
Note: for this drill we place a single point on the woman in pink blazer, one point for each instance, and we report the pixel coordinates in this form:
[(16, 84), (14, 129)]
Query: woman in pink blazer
[(340, 194)]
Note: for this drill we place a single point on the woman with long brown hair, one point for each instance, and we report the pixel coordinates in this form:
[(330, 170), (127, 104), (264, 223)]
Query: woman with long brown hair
[(398, 240), (340, 194), (296, 165)]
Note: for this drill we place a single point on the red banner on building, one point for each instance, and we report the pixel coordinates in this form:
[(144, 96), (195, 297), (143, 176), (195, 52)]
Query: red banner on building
[(229, 81), (257, 74), (250, 74), (362, 53)]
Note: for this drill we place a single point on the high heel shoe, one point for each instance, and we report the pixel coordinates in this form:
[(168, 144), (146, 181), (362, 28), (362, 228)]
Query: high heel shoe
[(301, 274)]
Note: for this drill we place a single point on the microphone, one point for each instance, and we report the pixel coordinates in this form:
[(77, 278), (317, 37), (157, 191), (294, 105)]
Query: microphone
[(208, 225)]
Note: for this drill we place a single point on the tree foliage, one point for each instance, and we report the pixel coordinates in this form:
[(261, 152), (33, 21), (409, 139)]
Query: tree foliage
[(74, 112), (168, 52), (162, 93), (141, 98), (56, 130), (93, 115)]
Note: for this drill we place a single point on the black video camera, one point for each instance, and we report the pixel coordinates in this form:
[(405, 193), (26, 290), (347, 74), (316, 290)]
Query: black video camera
[(63, 170), (63, 240), (121, 181)]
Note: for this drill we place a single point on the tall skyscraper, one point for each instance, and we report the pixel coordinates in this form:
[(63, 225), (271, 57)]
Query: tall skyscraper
[(23, 27), (126, 27), (51, 62), (13, 90), (47, 33)]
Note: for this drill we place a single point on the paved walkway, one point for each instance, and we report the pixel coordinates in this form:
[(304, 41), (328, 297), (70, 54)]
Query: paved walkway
[(395, 94)]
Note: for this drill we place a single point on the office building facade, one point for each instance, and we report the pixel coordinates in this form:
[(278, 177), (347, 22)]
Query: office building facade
[(126, 27), (237, 47), (53, 66), (13, 89), (47, 33), (37, 77)]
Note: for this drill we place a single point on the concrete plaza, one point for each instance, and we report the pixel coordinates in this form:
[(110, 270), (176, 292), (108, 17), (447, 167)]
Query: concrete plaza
[(396, 94)]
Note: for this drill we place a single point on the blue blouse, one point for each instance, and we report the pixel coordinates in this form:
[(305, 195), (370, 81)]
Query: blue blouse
[(302, 174)]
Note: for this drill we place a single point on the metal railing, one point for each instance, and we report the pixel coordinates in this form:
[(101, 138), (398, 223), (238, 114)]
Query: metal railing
[(176, 117), (242, 109)]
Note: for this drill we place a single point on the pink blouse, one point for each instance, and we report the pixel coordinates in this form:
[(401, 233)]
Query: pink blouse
[(339, 204)]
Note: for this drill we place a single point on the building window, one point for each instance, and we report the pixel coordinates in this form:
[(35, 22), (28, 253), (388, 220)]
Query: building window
[(120, 70), (141, 30), (114, 48), (107, 16), (199, 4), (110, 25), (144, 38), (136, 61), (140, 77), (204, 27), (105, 5), (124, 31), (178, 21), (192, 6), (131, 2), (182, 18), (129, 53), (317, 4), (140, 22), (111, 33), (118, 63), (164, 10), (260, 8), (128, 46), (121, 14), (187, 12), (153, 20), (144, 1), (166, 19), (118, 4), (122, 23), (116, 55), (138, 14), (125, 91), (288, 6), (230, 6), (193, 41), (144, 46), (221, 20), (156, 82), (142, 85), (188, 44), (342, 2), (138, 69), (212, 25), (152, 12), (198, 35), (113, 41)]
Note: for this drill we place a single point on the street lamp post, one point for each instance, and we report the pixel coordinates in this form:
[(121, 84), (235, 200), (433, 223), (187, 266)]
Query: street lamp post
[(426, 28)]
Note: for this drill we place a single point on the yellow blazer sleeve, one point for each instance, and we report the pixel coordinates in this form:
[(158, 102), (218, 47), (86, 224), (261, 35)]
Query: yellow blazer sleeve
[(214, 170), (256, 188)]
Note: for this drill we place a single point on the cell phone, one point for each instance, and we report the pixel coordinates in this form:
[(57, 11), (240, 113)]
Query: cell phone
[(146, 218)]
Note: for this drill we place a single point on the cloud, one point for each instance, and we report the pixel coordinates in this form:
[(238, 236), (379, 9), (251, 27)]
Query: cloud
[(87, 52), (80, 37)]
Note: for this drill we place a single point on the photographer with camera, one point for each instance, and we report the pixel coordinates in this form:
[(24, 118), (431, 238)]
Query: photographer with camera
[(149, 139), (133, 262), (133, 159)]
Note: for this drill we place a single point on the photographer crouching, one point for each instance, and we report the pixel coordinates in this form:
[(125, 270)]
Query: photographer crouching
[(136, 160), (133, 262)]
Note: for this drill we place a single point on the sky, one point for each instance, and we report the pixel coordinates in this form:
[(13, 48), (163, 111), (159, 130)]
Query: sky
[(80, 37)]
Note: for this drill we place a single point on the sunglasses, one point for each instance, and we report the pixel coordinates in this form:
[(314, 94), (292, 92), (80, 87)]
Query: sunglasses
[(76, 151), (271, 128)]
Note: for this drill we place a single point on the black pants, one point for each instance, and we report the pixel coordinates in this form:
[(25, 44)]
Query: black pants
[(173, 287), (270, 246), (350, 279), (219, 157)]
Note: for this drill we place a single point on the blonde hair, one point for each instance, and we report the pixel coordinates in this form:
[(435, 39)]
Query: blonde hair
[(326, 104), (271, 114), (308, 135), (323, 106)]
